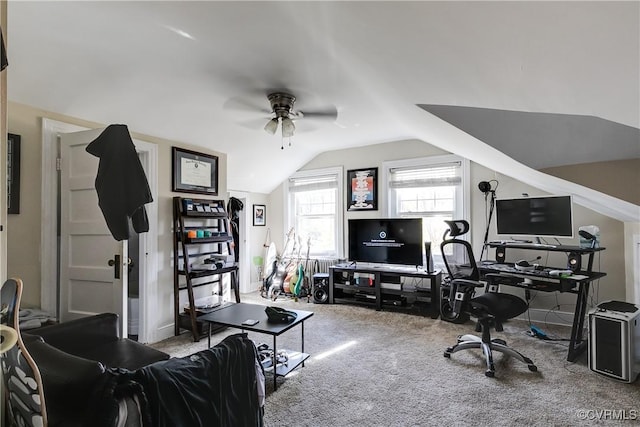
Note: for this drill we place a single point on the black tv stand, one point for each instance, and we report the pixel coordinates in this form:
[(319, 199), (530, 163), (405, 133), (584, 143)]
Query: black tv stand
[(382, 286)]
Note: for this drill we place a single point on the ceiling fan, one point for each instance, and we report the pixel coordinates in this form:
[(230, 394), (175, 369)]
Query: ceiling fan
[(282, 114)]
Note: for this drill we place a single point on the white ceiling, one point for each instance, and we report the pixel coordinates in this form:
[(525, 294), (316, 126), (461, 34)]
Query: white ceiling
[(125, 62)]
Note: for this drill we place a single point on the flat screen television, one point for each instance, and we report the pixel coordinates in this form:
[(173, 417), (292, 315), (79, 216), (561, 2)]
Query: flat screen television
[(386, 240), (549, 216)]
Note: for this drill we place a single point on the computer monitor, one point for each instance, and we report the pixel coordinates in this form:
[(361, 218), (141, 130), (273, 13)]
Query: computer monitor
[(386, 240), (547, 216)]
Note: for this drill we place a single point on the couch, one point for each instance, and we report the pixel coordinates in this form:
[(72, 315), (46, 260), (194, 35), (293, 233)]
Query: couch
[(219, 386), (96, 338), (80, 373)]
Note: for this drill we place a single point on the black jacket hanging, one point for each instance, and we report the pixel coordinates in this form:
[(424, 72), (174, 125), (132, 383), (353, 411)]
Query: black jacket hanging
[(121, 183)]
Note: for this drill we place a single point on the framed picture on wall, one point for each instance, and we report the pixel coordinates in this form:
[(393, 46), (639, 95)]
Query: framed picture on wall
[(13, 174), (259, 215), (194, 172), (362, 189)]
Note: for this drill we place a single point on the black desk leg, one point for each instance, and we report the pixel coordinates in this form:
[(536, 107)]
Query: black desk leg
[(577, 344), (302, 326)]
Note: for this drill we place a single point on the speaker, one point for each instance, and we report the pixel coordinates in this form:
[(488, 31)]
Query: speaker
[(321, 288), (574, 262), (428, 257), (501, 254), (614, 340)]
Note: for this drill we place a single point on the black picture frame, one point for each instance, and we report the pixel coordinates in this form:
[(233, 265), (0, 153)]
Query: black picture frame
[(13, 173), (362, 189), (194, 172), (259, 215)]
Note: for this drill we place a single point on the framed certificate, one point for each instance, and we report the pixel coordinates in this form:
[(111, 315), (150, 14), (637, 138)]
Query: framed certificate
[(194, 172)]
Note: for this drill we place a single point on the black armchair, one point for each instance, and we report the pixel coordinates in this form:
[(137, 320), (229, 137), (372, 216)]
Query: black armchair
[(490, 308), (96, 338), (73, 386), (47, 386)]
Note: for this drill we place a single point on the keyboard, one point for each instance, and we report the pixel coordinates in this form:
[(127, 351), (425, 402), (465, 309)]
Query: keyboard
[(510, 270)]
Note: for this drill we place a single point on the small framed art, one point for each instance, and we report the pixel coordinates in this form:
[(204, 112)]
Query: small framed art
[(362, 189), (13, 174), (259, 215)]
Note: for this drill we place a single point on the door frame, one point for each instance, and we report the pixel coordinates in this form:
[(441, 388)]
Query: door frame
[(244, 235), (49, 289)]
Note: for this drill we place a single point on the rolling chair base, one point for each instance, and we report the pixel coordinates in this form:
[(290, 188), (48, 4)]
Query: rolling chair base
[(471, 341)]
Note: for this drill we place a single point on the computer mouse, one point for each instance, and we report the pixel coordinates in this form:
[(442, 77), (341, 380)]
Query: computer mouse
[(523, 265)]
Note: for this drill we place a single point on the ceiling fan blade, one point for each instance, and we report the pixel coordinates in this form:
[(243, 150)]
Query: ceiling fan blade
[(248, 105), (254, 123), (328, 113)]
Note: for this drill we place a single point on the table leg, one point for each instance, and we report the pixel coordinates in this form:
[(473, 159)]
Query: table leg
[(236, 285), (302, 326), (275, 352), (435, 295), (577, 344)]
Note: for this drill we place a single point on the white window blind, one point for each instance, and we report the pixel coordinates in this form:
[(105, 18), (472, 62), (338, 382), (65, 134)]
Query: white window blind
[(425, 176), (314, 205), (425, 190)]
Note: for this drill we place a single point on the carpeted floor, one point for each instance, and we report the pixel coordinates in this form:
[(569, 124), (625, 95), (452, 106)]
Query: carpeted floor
[(381, 368)]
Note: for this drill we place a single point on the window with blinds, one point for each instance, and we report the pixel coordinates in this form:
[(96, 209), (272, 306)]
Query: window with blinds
[(429, 188), (314, 199)]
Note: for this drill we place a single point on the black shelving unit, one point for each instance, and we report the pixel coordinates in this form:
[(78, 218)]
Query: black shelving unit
[(388, 287), (201, 233)]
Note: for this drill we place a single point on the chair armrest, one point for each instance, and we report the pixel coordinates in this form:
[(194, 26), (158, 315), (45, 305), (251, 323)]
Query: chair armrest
[(74, 336), (69, 382), (461, 291)]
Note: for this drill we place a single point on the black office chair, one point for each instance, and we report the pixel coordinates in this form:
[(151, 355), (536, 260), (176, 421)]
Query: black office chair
[(490, 308)]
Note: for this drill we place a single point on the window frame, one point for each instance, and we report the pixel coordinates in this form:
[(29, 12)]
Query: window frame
[(464, 198), (340, 203)]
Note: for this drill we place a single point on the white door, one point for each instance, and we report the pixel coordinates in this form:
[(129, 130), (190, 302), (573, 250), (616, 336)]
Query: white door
[(93, 265)]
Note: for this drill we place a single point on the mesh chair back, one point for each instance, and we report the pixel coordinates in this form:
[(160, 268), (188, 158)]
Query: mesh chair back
[(458, 253), (22, 380)]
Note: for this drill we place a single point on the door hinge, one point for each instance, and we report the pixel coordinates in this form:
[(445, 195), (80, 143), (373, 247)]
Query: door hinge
[(58, 164)]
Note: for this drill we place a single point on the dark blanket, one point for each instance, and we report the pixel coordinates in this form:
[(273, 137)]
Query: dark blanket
[(217, 386)]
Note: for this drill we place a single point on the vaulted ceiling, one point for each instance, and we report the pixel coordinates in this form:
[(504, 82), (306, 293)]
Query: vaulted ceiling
[(539, 81)]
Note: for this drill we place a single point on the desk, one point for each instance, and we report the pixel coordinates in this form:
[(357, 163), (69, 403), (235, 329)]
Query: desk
[(233, 314), (540, 280)]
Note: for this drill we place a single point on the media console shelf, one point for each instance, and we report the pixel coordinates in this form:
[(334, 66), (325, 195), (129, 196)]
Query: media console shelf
[(540, 280), (384, 286)]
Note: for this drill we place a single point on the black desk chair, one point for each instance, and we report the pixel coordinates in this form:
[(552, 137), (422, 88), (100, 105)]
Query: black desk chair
[(490, 308)]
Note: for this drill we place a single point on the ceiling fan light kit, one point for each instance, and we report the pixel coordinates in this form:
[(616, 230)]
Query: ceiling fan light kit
[(282, 107), (282, 116), (288, 128), (271, 126)]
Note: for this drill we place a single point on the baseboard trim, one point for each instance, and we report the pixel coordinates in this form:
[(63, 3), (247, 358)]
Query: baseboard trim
[(548, 316)]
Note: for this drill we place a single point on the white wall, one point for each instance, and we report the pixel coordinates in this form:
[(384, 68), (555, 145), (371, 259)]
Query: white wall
[(611, 261)]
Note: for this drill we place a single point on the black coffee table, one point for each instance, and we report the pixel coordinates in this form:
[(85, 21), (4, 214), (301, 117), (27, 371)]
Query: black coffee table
[(235, 314)]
